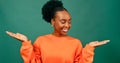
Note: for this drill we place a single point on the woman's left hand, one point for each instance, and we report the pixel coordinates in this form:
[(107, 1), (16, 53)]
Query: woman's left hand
[(97, 43)]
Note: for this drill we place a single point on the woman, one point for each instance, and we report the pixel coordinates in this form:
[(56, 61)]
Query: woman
[(56, 47)]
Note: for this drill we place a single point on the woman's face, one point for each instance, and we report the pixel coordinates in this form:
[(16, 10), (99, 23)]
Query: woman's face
[(61, 23)]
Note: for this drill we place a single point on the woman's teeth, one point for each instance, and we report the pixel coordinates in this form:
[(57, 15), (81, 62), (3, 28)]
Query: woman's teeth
[(65, 30)]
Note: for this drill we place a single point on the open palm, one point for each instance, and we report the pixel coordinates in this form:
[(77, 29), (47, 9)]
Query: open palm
[(98, 43), (18, 36)]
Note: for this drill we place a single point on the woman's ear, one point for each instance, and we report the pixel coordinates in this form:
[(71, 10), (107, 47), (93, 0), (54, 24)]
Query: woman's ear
[(52, 22)]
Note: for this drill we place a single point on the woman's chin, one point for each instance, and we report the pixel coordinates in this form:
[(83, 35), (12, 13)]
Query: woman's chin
[(64, 33)]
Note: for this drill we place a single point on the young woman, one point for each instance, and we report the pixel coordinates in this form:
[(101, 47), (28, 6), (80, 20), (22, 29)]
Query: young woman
[(56, 47)]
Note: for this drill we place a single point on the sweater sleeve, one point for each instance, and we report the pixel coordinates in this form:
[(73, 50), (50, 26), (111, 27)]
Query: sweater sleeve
[(30, 53), (84, 55)]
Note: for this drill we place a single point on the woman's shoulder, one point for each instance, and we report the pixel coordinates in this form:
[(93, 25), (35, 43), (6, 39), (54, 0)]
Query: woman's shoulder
[(43, 36), (74, 39)]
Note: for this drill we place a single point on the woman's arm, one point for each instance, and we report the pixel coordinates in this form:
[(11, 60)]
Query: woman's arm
[(30, 53), (86, 54)]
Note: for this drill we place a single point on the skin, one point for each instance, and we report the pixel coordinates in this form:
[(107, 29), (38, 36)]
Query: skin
[(61, 24)]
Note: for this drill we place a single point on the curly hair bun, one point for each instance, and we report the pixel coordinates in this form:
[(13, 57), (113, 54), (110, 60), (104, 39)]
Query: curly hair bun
[(49, 7), (55, 3)]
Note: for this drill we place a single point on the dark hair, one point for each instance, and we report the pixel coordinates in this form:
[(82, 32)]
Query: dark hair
[(50, 8)]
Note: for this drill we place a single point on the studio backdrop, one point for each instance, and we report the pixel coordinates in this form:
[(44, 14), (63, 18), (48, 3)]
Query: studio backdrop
[(91, 20)]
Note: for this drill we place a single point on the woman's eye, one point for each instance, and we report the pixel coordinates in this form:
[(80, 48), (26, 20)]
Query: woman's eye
[(63, 22)]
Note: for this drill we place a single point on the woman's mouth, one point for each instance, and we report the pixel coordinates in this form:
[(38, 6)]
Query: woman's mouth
[(65, 30)]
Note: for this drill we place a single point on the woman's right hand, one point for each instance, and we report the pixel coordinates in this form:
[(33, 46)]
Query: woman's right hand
[(18, 36)]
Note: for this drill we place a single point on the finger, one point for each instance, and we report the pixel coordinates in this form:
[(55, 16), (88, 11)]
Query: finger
[(10, 33), (19, 36), (105, 41), (13, 35), (19, 33), (102, 42)]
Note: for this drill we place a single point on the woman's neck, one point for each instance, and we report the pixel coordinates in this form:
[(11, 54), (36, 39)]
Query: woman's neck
[(58, 35)]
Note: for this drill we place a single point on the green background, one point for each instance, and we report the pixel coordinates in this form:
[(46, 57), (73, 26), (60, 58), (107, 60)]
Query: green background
[(91, 20)]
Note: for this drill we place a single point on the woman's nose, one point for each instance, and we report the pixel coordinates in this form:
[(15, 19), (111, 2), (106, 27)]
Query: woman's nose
[(66, 24)]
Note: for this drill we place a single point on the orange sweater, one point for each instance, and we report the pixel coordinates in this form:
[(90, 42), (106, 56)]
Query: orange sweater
[(52, 49)]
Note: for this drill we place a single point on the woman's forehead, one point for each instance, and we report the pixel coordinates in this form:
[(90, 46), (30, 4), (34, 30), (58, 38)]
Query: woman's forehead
[(62, 15)]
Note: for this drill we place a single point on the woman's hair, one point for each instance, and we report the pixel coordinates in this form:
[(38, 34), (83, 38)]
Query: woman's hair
[(50, 8)]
